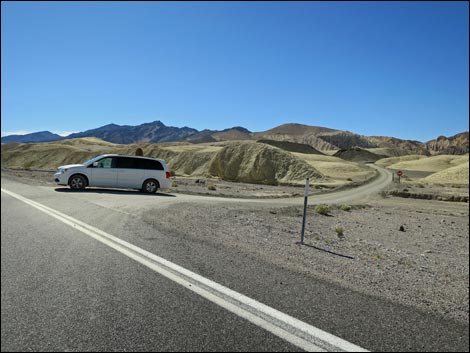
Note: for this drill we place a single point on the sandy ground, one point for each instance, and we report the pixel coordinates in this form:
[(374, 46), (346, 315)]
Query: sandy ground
[(410, 251), (217, 187)]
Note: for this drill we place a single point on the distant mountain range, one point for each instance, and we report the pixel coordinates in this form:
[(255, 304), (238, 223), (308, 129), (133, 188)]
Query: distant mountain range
[(42, 136), (320, 138), (149, 132)]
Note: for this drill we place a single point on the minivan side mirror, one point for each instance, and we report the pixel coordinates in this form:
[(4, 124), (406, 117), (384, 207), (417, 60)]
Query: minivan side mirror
[(95, 164)]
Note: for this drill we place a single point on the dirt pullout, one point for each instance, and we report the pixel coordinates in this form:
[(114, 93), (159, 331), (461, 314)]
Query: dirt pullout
[(191, 186), (407, 255)]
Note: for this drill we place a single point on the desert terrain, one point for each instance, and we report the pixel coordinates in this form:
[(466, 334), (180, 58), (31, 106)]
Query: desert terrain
[(239, 161), (247, 196)]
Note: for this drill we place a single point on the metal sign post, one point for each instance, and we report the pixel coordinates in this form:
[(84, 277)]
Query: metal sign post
[(399, 173), (307, 185)]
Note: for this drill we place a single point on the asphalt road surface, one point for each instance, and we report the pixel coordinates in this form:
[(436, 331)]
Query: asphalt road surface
[(63, 289)]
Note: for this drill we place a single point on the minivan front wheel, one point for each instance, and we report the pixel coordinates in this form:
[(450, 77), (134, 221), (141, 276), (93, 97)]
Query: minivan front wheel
[(150, 186), (77, 182)]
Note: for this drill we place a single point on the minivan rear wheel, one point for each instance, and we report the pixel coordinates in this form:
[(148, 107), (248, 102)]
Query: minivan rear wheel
[(150, 186), (77, 182)]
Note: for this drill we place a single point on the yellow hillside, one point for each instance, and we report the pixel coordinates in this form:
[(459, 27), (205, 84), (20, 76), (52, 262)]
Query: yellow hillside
[(237, 161), (386, 162), (431, 164), (453, 175), (92, 141), (334, 167), (50, 155), (232, 160), (261, 163)]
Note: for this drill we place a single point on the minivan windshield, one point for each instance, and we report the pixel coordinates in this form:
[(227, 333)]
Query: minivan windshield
[(87, 163)]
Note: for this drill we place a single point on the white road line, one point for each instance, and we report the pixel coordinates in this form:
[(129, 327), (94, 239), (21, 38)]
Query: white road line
[(296, 332)]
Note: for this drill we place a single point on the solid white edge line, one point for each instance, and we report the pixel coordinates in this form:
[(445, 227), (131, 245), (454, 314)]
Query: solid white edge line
[(299, 333)]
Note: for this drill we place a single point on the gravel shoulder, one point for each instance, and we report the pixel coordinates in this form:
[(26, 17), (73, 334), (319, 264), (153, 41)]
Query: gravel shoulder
[(425, 265)]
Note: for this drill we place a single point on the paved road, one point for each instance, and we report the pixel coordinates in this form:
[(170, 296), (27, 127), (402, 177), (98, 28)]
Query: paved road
[(62, 290)]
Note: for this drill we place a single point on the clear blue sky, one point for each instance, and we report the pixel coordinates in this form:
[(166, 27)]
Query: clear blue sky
[(374, 68)]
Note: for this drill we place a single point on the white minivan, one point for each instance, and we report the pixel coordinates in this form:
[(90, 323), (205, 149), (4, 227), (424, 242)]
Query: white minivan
[(116, 171)]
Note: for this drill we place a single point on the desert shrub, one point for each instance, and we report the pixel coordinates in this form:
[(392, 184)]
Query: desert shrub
[(345, 207), (174, 184), (339, 230), (317, 186), (322, 209), (349, 179), (211, 187)]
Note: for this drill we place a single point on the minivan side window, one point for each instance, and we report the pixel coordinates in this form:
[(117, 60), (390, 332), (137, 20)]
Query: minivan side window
[(140, 163), (130, 163), (148, 164), (125, 162), (156, 165)]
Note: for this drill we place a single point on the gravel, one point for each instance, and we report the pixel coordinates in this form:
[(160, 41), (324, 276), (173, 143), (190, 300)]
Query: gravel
[(426, 266)]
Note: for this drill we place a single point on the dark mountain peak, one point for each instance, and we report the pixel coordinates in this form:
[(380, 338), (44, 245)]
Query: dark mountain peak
[(153, 132), (154, 123), (109, 126), (239, 128)]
